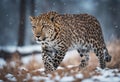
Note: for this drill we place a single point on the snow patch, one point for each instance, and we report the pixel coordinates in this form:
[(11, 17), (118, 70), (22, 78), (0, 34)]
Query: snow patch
[(1, 81), (24, 49), (88, 80), (60, 67), (2, 63), (27, 59), (23, 68), (10, 77), (39, 78), (57, 78), (13, 63), (41, 69), (28, 49), (80, 76), (28, 76), (71, 66), (107, 75), (67, 79)]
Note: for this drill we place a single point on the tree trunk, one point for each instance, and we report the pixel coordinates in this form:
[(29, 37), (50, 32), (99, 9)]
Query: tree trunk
[(21, 31), (32, 7)]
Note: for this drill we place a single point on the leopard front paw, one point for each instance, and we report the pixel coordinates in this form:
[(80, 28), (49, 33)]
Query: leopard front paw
[(83, 64)]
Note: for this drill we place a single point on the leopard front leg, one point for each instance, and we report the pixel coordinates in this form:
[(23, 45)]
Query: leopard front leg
[(57, 59), (47, 59), (84, 62), (48, 63), (60, 50), (51, 62)]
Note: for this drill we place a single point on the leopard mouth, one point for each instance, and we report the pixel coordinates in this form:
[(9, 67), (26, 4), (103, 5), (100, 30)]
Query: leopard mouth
[(44, 38), (39, 40)]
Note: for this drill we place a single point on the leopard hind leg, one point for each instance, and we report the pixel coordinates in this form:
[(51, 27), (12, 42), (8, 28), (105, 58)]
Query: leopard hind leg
[(101, 57), (107, 57)]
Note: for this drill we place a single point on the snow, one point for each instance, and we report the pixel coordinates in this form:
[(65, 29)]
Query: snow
[(29, 49), (23, 68), (8, 48), (64, 4), (88, 80), (106, 79), (28, 76), (54, 4), (35, 10), (41, 70), (10, 77), (6, 15), (2, 63), (1, 81), (80, 76), (27, 59), (60, 67), (57, 78), (38, 78), (25, 49), (67, 79), (70, 66), (107, 75), (12, 63)]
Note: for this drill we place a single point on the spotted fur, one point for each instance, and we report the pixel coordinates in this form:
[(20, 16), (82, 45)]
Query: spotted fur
[(58, 33)]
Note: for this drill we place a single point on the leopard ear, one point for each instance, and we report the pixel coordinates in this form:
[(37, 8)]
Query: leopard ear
[(52, 15), (31, 18), (52, 18)]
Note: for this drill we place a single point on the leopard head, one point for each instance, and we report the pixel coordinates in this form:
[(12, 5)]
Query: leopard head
[(44, 26)]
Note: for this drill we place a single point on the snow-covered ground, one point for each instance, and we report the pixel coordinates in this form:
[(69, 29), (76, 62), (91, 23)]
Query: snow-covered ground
[(61, 75), (2, 63), (31, 68), (107, 75), (24, 49)]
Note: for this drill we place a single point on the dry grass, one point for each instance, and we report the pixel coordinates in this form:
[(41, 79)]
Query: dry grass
[(114, 50), (15, 66)]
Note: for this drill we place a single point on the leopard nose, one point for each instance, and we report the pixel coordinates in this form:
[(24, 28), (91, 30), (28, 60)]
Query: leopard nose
[(38, 36)]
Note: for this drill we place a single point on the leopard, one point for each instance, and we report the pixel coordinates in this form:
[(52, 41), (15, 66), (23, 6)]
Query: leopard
[(58, 33)]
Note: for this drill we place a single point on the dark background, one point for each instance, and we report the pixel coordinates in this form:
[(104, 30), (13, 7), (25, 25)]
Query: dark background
[(16, 30)]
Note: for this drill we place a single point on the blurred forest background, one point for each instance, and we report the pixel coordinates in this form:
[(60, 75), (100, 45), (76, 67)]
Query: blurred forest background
[(16, 30)]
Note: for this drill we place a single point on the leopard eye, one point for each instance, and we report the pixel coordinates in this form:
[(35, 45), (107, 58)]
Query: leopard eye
[(33, 27), (45, 25)]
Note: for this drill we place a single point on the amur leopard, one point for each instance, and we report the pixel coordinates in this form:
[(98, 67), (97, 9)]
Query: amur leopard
[(58, 33)]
